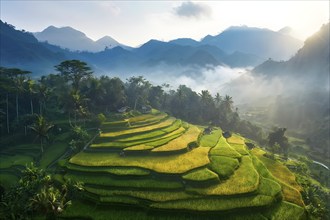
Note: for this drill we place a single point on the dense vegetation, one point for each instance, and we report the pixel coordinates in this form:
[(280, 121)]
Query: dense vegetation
[(67, 123)]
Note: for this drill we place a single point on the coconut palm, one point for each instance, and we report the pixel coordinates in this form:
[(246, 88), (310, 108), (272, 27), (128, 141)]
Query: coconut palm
[(228, 103), (41, 127)]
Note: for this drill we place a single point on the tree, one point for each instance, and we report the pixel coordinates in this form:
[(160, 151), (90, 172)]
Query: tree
[(137, 89), (277, 136), (156, 95), (228, 103), (41, 127), (35, 194), (74, 71), (218, 99), (19, 79), (113, 96), (207, 105), (79, 138)]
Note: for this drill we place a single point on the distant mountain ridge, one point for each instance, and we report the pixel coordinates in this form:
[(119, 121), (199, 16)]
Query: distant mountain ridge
[(178, 52), (74, 40), (261, 42), (311, 61), (22, 50)]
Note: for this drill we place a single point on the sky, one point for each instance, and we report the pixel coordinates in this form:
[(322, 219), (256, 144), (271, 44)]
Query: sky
[(135, 22)]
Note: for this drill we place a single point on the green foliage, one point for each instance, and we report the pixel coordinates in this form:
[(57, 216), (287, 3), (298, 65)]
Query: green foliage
[(200, 175), (101, 118), (181, 163), (224, 166), (285, 210), (180, 143), (34, 192), (244, 180), (210, 140), (119, 171), (79, 137), (224, 149), (41, 127), (103, 180), (278, 141)]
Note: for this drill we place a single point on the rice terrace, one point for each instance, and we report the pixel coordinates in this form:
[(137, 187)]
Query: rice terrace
[(164, 110), (160, 163)]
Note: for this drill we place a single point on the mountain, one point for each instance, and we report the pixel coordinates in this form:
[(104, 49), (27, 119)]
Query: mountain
[(263, 43), (185, 42), (311, 61), (74, 40), (22, 50), (304, 103)]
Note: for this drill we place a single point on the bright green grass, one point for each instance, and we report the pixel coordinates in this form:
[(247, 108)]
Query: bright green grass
[(240, 148), (210, 140), (202, 174), (244, 180), (157, 142), (7, 161), (52, 153), (119, 199), (155, 136), (224, 149), (159, 132), (269, 187), (132, 131), (152, 195), (224, 166), (119, 125), (285, 211), (134, 183), (181, 163), (216, 204), (267, 194), (82, 210), (180, 143), (32, 150), (143, 120), (120, 171), (290, 188), (8, 180), (236, 139)]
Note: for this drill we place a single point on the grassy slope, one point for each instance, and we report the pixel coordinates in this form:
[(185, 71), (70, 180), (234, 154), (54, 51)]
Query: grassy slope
[(224, 166), (202, 174), (244, 180), (224, 149), (180, 143), (181, 163), (210, 140), (161, 125), (290, 188)]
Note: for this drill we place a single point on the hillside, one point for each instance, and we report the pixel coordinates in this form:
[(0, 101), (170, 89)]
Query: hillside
[(161, 163), (21, 49), (310, 63), (74, 40), (263, 43), (302, 104)]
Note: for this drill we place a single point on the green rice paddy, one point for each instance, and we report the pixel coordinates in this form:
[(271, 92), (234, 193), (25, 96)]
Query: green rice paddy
[(158, 163)]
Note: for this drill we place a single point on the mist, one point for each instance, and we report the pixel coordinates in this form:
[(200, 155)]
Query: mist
[(286, 100)]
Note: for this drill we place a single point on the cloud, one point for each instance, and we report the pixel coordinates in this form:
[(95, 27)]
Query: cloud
[(193, 10)]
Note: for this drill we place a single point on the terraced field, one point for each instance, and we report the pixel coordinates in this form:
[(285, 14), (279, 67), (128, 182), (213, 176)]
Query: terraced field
[(161, 163)]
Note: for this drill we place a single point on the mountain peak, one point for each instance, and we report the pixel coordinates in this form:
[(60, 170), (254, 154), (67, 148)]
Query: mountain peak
[(72, 39)]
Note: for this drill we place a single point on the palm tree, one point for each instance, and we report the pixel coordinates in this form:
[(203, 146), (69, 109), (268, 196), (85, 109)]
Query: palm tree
[(41, 127), (218, 99), (228, 103)]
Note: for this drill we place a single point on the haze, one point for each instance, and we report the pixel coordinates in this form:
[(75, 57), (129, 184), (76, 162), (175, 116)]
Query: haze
[(135, 22)]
